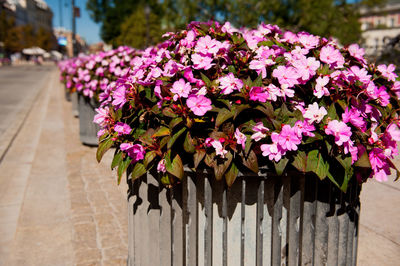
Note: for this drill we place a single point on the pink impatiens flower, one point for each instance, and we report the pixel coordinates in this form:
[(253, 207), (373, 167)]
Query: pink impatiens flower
[(260, 131), (339, 130), (288, 138), (161, 166), (102, 114), (258, 94), (272, 151), (394, 131), (320, 89), (206, 45), (119, 96), (122, 128), (135, 151), (354, 117), (286, 76), (202, 61), (388, 71), (357, 52), (314, 114), (331, 56), (219, 149), (199, 104), (240, 138), (229, 83), (181, 89)]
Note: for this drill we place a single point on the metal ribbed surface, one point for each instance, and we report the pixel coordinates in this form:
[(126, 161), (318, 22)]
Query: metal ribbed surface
[(290, 220), (87, 129)]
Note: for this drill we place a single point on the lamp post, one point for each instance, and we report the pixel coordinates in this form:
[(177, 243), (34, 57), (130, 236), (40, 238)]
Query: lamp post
[(73, 29)]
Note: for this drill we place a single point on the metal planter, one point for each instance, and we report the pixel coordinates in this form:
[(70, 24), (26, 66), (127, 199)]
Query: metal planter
[(295, 219), (87, 129), (74, 101)]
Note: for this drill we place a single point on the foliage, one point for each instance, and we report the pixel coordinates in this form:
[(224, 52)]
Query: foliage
[(235, 100)]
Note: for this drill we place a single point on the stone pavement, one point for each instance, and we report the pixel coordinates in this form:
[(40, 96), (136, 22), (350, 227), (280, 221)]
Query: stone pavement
[(58, 206)]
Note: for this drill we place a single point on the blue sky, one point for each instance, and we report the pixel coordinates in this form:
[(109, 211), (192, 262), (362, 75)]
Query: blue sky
[(85, 27)]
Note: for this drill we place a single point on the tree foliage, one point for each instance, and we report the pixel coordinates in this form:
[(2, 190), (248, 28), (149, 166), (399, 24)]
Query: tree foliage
[(337, 18)]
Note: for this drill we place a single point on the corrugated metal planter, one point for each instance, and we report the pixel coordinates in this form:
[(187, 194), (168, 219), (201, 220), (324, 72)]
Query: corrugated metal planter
[(87, 129), (295, 219), (74, 101), (67, 96)]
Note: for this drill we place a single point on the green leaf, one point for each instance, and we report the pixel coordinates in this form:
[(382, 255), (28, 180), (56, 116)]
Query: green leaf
[(123, 165), (332, 112), (237, 109), (281, 165), (175, 137), (188, 144), (162, 131), (176, 167), (223, 115), (116, 160), (103, 147), (220, 169), (231, 174), (169, 112), (251, 162), (363, 161), (300, 161), (266, 43), (258, 81), (232, 69), (206, 80), (316, 164), (198, 157), (138, 171), (149, 157)]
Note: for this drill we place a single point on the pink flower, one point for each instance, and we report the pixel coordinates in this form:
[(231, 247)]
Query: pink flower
[(304, 128), (260, 131), (394, 131), (199, 104), (306, 67), (122, 128), (314, 114), (286, 76), (229, 83), (309, 41), (382, 97), (119, 97), (101, 117), (354, 117), (258, 94), (288, 139), (161, 166), (206, 45), (240, 138), (379, 164), (135, 151), (357, 52), (320, 89), (388, 71), (181, 89), (219, 149), (202, 61), (339, 130), (272, 151), (331, 56)]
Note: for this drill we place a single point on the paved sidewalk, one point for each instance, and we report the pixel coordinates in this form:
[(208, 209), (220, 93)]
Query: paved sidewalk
[(58, 206)]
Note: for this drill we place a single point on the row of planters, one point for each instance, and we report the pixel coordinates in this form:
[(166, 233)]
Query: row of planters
[(242, 147)]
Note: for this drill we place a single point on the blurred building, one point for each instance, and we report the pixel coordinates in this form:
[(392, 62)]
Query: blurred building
[(29, 12), (379, 26), (64, 38)]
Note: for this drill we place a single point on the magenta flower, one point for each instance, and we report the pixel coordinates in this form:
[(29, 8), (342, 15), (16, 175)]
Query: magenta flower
[(388, 71), (205, 45), (354, 117), (122, 128), (314, 114), (339, 130), (229, 83), (258, 94), (135, 151), (304, 128), (306, 67), (202, 61), (288, 139), (382, 97), (379, 164), (102, 114), (394, 131), (331, 56), (240, 138), (181, 89), (199, 104)]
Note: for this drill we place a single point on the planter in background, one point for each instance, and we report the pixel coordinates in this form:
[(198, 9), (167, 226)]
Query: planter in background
[(295, 219), (74, 100), (87, 129), (67, 96)]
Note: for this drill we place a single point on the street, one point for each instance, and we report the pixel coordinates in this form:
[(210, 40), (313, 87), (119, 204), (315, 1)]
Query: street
[(58, 206)]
